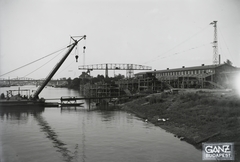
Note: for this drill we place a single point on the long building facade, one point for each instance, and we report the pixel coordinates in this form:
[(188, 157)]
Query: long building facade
[(204, 76)]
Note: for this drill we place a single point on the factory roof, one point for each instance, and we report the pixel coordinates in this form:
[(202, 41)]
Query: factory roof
[(202, 67)]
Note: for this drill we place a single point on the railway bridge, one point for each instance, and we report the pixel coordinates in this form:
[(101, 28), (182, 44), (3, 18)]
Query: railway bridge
[(20, 81)]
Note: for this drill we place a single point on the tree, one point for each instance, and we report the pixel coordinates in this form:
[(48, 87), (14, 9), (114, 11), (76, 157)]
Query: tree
[(228, 62), (2, 96), (69, 80), (119, 76)]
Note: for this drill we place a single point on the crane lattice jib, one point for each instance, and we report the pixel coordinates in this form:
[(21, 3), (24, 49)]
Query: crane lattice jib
[(57, 66), (114, 66)]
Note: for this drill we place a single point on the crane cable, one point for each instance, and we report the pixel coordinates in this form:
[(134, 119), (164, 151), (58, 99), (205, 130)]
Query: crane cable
[(32, 62), (43, 64), (156, 58), (225, 44), (176, 53)]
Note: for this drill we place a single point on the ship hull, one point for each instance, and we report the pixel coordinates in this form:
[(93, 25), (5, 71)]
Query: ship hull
[(21, 103)]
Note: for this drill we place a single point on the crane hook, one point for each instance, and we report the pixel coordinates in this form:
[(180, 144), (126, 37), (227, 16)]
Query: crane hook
[(76, 58), (84, 47)]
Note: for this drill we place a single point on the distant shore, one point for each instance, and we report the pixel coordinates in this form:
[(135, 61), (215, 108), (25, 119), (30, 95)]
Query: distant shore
[(193, 117)]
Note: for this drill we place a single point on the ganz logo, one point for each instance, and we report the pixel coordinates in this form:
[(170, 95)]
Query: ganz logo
[(218, 151)]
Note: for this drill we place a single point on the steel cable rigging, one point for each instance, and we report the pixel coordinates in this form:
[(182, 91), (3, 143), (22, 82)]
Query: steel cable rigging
[(176, 53), (32, 62), (159, 56), (43, 64), (225, 43)]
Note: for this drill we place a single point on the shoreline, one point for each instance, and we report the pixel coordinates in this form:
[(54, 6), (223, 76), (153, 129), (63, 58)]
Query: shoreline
[(167, 126), (192, 117)]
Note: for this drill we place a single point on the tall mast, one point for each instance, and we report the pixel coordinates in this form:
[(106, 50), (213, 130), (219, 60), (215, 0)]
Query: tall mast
[(55, 69), (215, 44)]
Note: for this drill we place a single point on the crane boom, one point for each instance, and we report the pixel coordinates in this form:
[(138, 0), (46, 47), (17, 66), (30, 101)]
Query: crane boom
[(50, 75)]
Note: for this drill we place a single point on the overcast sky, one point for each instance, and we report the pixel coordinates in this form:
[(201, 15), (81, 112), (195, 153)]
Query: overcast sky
[(161, 34)]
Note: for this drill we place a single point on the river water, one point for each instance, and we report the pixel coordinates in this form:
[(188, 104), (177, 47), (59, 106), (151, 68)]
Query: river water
[(83, 135)]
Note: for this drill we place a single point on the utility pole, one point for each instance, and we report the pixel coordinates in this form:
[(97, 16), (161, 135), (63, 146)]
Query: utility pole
[(216, 57)]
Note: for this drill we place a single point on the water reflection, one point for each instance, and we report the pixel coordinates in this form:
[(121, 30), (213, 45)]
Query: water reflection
[(107, 115), (82, 147), (19, 114), (52, 135), (83, 141), (74, 109)]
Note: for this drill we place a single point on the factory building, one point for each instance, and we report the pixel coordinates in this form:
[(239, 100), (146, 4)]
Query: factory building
[(204, 76)]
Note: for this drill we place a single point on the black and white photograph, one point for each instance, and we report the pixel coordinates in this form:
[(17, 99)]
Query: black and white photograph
[(119, 80)]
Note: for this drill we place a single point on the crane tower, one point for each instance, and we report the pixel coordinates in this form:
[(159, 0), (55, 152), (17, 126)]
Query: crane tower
[(216, 57)]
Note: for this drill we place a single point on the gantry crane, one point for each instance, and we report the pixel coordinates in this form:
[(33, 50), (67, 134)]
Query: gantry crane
[(115, 66)]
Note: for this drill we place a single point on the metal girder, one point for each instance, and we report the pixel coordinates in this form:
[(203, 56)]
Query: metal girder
[(114, 66)]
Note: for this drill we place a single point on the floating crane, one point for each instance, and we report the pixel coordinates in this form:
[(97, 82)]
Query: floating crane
[(115, 66)]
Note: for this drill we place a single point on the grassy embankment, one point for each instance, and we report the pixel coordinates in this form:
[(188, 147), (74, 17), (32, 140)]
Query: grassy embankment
[(194, 117)]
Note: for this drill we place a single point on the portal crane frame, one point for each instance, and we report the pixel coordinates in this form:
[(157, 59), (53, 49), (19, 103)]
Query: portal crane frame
[(115, 66)]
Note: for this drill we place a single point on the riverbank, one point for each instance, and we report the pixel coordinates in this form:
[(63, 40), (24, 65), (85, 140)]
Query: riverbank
[(193, 117)]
